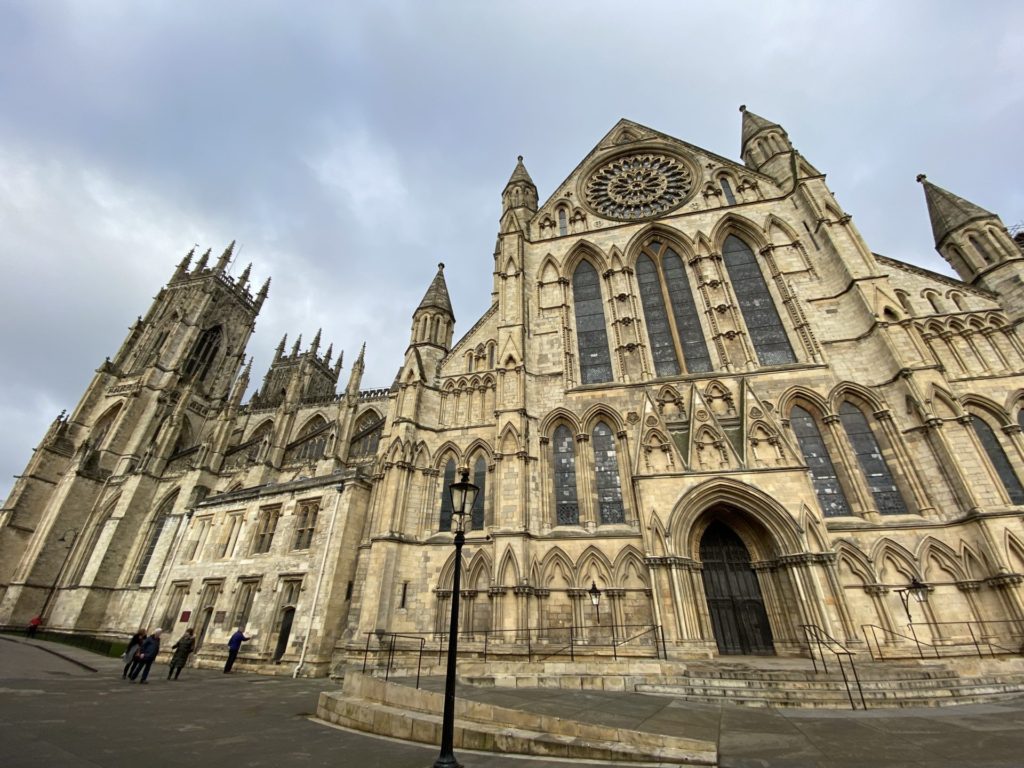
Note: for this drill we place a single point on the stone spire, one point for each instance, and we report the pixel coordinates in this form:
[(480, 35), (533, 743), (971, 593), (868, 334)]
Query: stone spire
[(280, 347), (947, 211), (222, 262), (752, 125), (262, 295), (520, 191), (201, 264), (244, 277), (436, 296), (297, 345), (316, 342), (182, 269)]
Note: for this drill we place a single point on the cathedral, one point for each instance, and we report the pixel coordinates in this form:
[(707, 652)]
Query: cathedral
[(702, 414)]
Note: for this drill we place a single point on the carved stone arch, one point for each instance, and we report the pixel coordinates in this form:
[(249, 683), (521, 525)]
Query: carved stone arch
[(655, 438), (935, 327), (397, 450), (463, 384), (775, 229), (601, 412), (887, 552), (987, 406), (447, 450), (584, 250), (852, 557), (943, 554), (857, 394), (535, 572), (975, 323), (766, 527), (315, 422), (556, 561), (511, 269), (479, 565), (679, 242), (995, 319), (549, 270), (740, 226), (615, 257), (716, 391), (509, 442), (702, 244), (474, 383), (447, 574), (508, 572), (559, 416), (659, 536), (265, 427), (814, 534), (975, 565), (629, 558), (478, 446), (1014, 401), (942, 396), (593, 565), (955, 325), (1014, 552)]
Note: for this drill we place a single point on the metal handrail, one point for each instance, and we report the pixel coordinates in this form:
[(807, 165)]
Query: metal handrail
[(818, 637), (391, 645), (949, 649)]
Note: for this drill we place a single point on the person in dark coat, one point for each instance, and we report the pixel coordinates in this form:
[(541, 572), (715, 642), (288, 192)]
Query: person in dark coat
[(134, 643), (234, 645), (181, 649), (145, 657)]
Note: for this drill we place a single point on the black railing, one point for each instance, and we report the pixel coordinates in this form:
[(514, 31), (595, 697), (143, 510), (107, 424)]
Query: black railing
[(389, 641), (999, 637), (818, 642)]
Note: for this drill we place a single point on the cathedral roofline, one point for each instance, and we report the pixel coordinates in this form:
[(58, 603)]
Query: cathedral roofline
[(947, 211), (922, 272)]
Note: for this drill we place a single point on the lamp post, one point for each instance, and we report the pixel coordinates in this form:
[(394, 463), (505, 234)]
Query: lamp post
[(67, 538), (463, 494), (595, 598), (915, 588)]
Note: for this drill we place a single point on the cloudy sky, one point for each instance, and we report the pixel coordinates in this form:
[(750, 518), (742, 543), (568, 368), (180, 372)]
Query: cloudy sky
[(350, 147)]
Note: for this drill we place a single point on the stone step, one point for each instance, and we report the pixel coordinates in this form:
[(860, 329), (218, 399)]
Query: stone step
[(397, 711)]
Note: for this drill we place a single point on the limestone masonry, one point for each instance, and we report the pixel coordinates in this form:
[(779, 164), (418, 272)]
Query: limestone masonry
[(697, 390)]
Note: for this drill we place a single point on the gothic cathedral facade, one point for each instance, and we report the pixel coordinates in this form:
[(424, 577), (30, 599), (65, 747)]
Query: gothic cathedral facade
[(697, 390)]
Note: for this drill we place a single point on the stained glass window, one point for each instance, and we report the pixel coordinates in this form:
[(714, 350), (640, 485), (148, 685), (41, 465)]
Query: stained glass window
[(695, 348), (567, 508), (663, 348), (563, 225), (595, 362), (606, 468), (830, 494), (446, 497), (156, 527), (727, 191), (203, 353), (869, 455), (999, 460), (767, 333), (480, 481)]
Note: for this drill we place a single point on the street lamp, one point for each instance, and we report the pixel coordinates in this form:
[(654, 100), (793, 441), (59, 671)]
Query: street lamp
[(595, 598), (463, 494), (915, 588)]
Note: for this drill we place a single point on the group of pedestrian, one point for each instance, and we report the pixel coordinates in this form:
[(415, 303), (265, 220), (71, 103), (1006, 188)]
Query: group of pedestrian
[(143, 649)]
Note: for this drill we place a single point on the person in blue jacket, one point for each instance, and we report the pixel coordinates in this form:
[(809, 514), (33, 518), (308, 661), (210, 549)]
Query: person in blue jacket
[(234, 645), (145, 656)]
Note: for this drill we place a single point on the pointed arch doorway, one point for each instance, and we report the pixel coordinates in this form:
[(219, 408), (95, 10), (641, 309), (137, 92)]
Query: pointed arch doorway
[(735, 604)]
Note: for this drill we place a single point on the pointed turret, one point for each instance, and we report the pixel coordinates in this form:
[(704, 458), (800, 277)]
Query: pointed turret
[(436, 296), (337, 365), (765, 147), (201, 264), (262, 295), (182, 269), (280, 347), (244, 277), (520, 192), (315, 346), (225, 258), (433, 321), (949, 212), (975, 242), (355, 376), (329, 354), (297, 345)]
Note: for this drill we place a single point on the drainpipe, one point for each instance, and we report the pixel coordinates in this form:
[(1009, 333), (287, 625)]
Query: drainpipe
[(319, 581)]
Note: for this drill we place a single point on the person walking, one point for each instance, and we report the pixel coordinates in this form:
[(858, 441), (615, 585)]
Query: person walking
[(234, 644), (33, 626), (181, 649), (134, 643), (145, 657)]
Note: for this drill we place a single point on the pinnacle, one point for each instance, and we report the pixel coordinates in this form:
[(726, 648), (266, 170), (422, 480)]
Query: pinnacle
[(948, 211), (436, 296), (520, 175), (753, 124)]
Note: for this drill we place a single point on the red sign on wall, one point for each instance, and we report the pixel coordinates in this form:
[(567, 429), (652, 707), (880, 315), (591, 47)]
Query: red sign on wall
[(185, 615)]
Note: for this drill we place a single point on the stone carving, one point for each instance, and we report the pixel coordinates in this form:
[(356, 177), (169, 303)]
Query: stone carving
[(639, 186)]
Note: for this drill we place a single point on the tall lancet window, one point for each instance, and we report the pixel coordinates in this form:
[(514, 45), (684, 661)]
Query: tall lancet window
[(203, 354), (767, 333), (446, 498), (606, 468), (567, 508), (1000, 462), (595, 362), (480, 481), (880, 481), (156, 527), (830, 494), (662, 277)]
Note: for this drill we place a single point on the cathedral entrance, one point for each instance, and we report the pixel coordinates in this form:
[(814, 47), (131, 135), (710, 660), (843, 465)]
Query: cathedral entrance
[(286, 629), (738, 617)]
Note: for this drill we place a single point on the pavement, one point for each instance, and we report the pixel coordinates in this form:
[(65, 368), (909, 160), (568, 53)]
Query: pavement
[(63, 707)]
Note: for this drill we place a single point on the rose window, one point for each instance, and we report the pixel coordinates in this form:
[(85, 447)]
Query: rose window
[(639, 186)]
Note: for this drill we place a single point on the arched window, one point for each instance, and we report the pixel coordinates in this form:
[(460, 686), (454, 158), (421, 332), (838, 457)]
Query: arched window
[(310, 443), (255, 442), (595, 362), (1020, 418), (727, 190), (905, 301), (567, 508), (767, 333), (155, 528), (663, 330), (367, 435), (99, 432), (563, 224), (203, 354), (446, 497), (830, 494), (958, 301), (981, 248), (997, 457), (933, 299), (880, 481), (606, 469), (480, 481)]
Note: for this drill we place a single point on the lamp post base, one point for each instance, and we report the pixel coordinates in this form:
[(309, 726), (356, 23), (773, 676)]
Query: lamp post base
[(447, 761)]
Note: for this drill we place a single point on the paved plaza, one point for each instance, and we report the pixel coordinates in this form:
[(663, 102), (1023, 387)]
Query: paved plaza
[(72, 710)]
